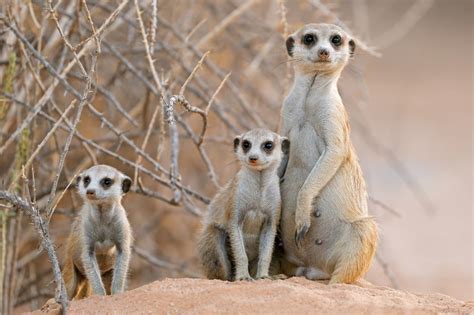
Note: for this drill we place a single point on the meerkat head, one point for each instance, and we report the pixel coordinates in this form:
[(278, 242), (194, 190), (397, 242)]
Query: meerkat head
[(102, 184), (320, 48), (259, 149)]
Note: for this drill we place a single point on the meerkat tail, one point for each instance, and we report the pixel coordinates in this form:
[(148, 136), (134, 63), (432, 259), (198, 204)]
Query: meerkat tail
[(213, 254), (355, 260)]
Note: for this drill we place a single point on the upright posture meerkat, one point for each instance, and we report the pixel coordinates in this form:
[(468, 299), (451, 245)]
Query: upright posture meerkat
[(326, 230), (99, 246), (240, 227)]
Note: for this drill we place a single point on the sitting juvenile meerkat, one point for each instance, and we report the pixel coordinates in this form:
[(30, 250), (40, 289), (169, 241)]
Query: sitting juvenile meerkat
[(241, 223), (326, 230), (99, 246)]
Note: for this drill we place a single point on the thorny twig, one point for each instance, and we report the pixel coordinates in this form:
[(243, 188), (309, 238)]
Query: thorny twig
[(42, 229)]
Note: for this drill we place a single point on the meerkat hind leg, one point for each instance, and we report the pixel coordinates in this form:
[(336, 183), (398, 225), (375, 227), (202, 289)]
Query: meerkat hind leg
[(214, 251), (70, 279), (223, 254)]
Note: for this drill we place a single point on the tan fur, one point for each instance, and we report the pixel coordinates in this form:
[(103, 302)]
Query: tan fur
[(240, 227), (98, 248), (326, 229)]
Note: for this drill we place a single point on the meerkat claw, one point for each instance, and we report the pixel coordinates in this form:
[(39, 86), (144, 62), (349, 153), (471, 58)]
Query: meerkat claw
[(300, 233), (244, 278)]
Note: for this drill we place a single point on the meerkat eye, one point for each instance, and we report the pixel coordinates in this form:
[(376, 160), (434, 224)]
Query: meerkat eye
[(106, 182), (309, 39), (268, 146), (87, 180), (246, 144), (336, 40)]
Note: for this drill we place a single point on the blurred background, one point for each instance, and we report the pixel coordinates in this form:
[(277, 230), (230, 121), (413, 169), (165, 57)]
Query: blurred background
[(408, 92)]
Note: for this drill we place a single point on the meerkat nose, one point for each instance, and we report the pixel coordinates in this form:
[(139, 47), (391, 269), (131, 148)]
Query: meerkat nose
[(90, 193), (253, 158), (323, 53)]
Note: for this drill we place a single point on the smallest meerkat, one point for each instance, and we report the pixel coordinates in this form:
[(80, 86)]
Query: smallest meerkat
[(98, 249), (241, 223)]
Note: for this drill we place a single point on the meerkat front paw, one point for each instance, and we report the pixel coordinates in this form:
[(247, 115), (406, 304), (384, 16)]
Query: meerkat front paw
[(245, 277), (262, 276), (303, 223), (100, 292), (279, 277)]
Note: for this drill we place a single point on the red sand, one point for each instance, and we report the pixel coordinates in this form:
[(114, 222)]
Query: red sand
[(291, 296)]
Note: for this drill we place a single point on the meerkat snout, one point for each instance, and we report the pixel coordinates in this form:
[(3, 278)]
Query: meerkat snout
[(90, 194), (253, 158), (323, 54)]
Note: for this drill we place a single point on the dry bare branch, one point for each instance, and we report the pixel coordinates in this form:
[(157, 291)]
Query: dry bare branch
[(42, 230)]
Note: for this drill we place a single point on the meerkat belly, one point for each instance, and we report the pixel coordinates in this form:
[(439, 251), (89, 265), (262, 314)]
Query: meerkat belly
[(331, 218), (305, 151), (252, 226), (105, 253)]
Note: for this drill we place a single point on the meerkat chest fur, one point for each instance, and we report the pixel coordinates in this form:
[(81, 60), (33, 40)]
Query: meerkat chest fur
[(257, 196), (104, 226), (305, 119)]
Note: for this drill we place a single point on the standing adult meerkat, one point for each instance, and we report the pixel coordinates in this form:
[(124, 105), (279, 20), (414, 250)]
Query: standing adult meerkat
[(98, 249), (326, 230), (241, 223)]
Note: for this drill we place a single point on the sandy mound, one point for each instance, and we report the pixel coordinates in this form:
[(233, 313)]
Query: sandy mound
[(292, 296)]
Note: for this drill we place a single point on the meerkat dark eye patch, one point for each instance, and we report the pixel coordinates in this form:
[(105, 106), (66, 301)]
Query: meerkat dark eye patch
[(126, 184), (336, 40), (87, 181), (309, 40), (290, 43), (267, 146), (106, 182), (246, 145)]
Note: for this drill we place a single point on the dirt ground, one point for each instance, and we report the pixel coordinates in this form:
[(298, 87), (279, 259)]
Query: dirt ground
[(291, 296)]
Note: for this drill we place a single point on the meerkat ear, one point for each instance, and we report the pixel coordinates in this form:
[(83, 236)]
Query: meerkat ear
[(290, 43), (352, 47), (236, 143), (285, 145), (78, 180), (126, 184)]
